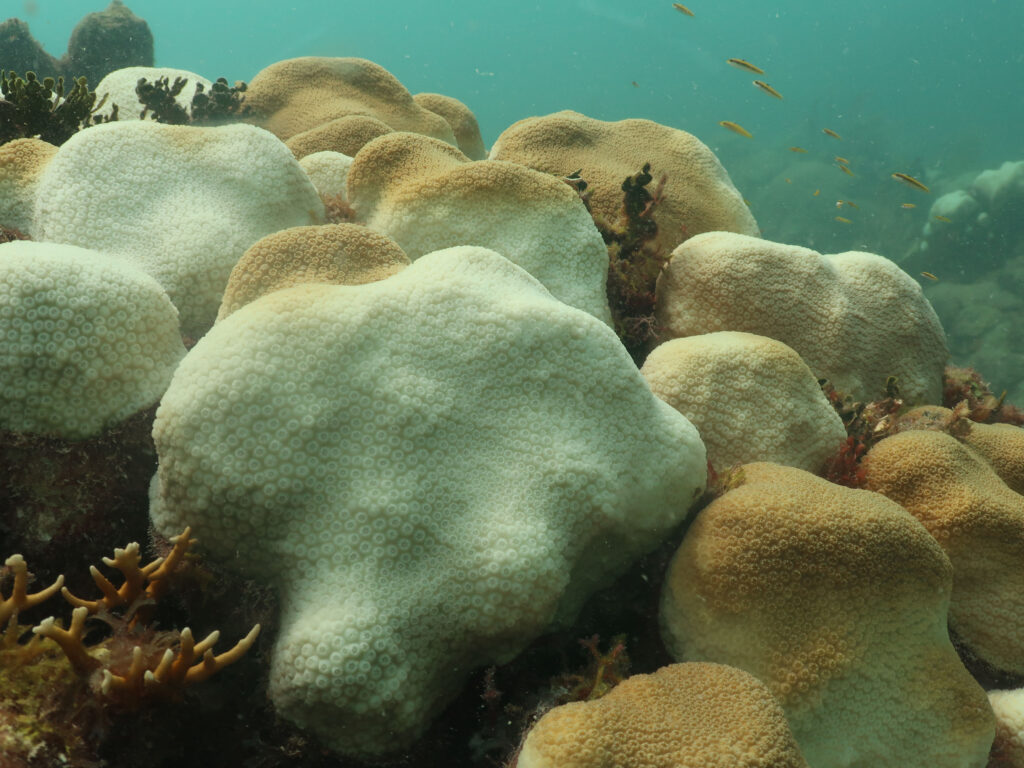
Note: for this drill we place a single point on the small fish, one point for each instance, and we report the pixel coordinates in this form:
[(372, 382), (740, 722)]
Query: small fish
[(767, 89), (799, 150), (736, 128), (851, 204), (789, 181), (839, 203), (843, 219), (910, 181), (908, 205), (845, 169), (744, 64), (944, 218), (816, 193), (929, 275), (635, 83), (682, 9), (746, 202), (842, 160), (830, 132)]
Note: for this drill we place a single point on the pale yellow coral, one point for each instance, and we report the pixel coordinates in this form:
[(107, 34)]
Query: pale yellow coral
[(460, 118), (427, 195), (977, 520), (295, 95), (855, 318), (698, 197), (706, 715), (340, 254), (345, 134), (21, 164), (836, 599)]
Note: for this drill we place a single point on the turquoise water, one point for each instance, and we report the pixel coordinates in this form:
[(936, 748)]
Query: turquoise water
[(926, 88), (912, 82)]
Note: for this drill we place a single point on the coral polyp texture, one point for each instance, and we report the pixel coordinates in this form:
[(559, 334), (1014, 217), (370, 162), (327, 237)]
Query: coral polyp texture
[(432, 469), (88, 340), (855, 318), (345, 134), (698, 197), (751, 398), (345, 254), (837, 600), (182, 203), (1008, 749), (460, 118), (979, 522), (427, 195), (21, 164), (697, 714), (296, 95)]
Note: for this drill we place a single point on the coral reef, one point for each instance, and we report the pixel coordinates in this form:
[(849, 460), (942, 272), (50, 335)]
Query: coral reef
[(450, 531)]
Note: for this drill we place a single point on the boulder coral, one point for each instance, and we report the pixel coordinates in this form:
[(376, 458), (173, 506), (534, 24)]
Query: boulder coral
[(698, 714), (21, 165), (855, 318), (183, 203), (432, 469), (836, 599), (329, 173), (427, 195), (698, 196), (88, 340), (977, 520), (751, 398), (342, 254), (295, 95), (346, 135), (460, 118)]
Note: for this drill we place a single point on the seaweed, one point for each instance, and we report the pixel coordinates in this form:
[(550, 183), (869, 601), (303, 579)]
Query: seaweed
[(31, 107)]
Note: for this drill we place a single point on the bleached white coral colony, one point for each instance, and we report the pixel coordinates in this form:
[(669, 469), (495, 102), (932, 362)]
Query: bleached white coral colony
[(181, 202), (88, 339), (433, 469)]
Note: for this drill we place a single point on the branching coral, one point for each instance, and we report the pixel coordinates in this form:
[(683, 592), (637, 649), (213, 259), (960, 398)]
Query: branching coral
[(56, 710), (137, 662)]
